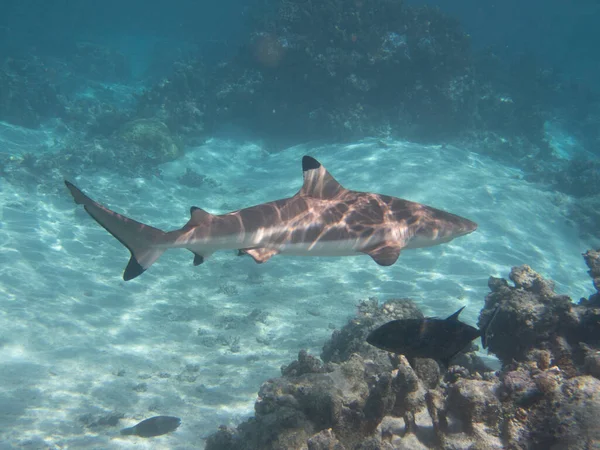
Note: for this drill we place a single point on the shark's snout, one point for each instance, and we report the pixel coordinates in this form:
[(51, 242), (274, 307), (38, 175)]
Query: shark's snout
[(451, 226), (468, 226)]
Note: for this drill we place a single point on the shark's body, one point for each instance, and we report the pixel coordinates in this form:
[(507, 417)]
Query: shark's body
[(322, 219)]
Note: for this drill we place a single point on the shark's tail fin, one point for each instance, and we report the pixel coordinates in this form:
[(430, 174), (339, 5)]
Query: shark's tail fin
[(144, 242)]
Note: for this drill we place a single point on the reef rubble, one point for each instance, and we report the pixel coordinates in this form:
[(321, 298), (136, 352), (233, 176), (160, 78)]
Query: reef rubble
[(546, 395)]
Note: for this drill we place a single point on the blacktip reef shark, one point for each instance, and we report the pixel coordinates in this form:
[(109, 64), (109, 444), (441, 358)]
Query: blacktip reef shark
[(322, 219)]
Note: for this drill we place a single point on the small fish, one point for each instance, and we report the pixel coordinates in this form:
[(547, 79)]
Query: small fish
[(439, 339), (154, 426)]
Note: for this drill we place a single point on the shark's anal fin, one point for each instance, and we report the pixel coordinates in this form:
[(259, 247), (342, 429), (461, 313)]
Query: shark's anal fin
[(384, 256), (260, 255)]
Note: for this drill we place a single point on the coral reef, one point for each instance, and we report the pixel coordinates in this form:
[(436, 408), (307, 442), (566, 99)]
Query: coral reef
[(533, 318), (151, 137), (136, 149), (580, 179), (178, 101), (27, 94), (100, 63), (592, 259), (344, 70), (547, 394)]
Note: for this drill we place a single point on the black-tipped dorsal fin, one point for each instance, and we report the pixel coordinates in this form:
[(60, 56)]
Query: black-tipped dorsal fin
[(317, 181), (198, 215), (455, 315)]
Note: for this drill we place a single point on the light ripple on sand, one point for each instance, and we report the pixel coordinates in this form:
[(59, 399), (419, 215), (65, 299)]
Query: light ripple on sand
[(80, 340)]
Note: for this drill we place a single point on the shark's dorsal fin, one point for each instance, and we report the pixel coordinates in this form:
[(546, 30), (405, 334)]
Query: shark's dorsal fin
[(455, 315), (318, 182), (198, 215)]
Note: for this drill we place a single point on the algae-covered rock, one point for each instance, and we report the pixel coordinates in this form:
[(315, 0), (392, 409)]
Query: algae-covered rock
[(547, 394), (153, 137), (570, 418)]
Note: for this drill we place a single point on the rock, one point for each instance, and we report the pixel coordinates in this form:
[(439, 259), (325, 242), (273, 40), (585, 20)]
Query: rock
[(547, 394), (352, 337), (324, 440), (570, 419), (153, 136), (592, 259), (474, 401), (530, 315), (524, 277)]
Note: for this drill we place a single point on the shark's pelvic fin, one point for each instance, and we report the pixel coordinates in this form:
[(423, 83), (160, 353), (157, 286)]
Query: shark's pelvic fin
[(198, 217), (260, 255), (141, 240), (384, 256), (318, 182), (198, 259)]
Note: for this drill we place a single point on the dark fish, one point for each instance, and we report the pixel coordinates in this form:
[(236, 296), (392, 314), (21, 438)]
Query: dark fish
[(154, 426), (439, 339)]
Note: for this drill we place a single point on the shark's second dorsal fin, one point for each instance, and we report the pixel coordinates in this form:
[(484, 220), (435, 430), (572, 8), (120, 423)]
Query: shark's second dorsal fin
[(317, 181), (455, 315)]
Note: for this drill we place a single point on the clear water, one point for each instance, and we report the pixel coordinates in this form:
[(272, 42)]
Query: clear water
[(77, 339), (197, 342)]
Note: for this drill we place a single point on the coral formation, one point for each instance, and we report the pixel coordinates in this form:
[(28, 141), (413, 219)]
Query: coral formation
[(315, 70), (592, 259), (152, 137), (137, 148), (346, 70), (547, 394), (178, 101), (101, 63), (330, 69), (27, 94)]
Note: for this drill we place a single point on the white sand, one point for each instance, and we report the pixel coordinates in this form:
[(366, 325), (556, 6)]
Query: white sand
[(75, 339)]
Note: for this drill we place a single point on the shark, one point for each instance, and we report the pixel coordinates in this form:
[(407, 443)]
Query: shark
[(322, 219)]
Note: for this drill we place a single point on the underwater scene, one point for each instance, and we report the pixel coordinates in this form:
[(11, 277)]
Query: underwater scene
[(382, 221)]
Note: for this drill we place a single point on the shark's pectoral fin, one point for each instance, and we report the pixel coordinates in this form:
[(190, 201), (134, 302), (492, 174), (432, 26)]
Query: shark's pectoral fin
[(384, 256), (260, 255)]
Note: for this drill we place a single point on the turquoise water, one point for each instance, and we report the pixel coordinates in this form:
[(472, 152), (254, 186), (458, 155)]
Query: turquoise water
[(511, 99), (196, 342)]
